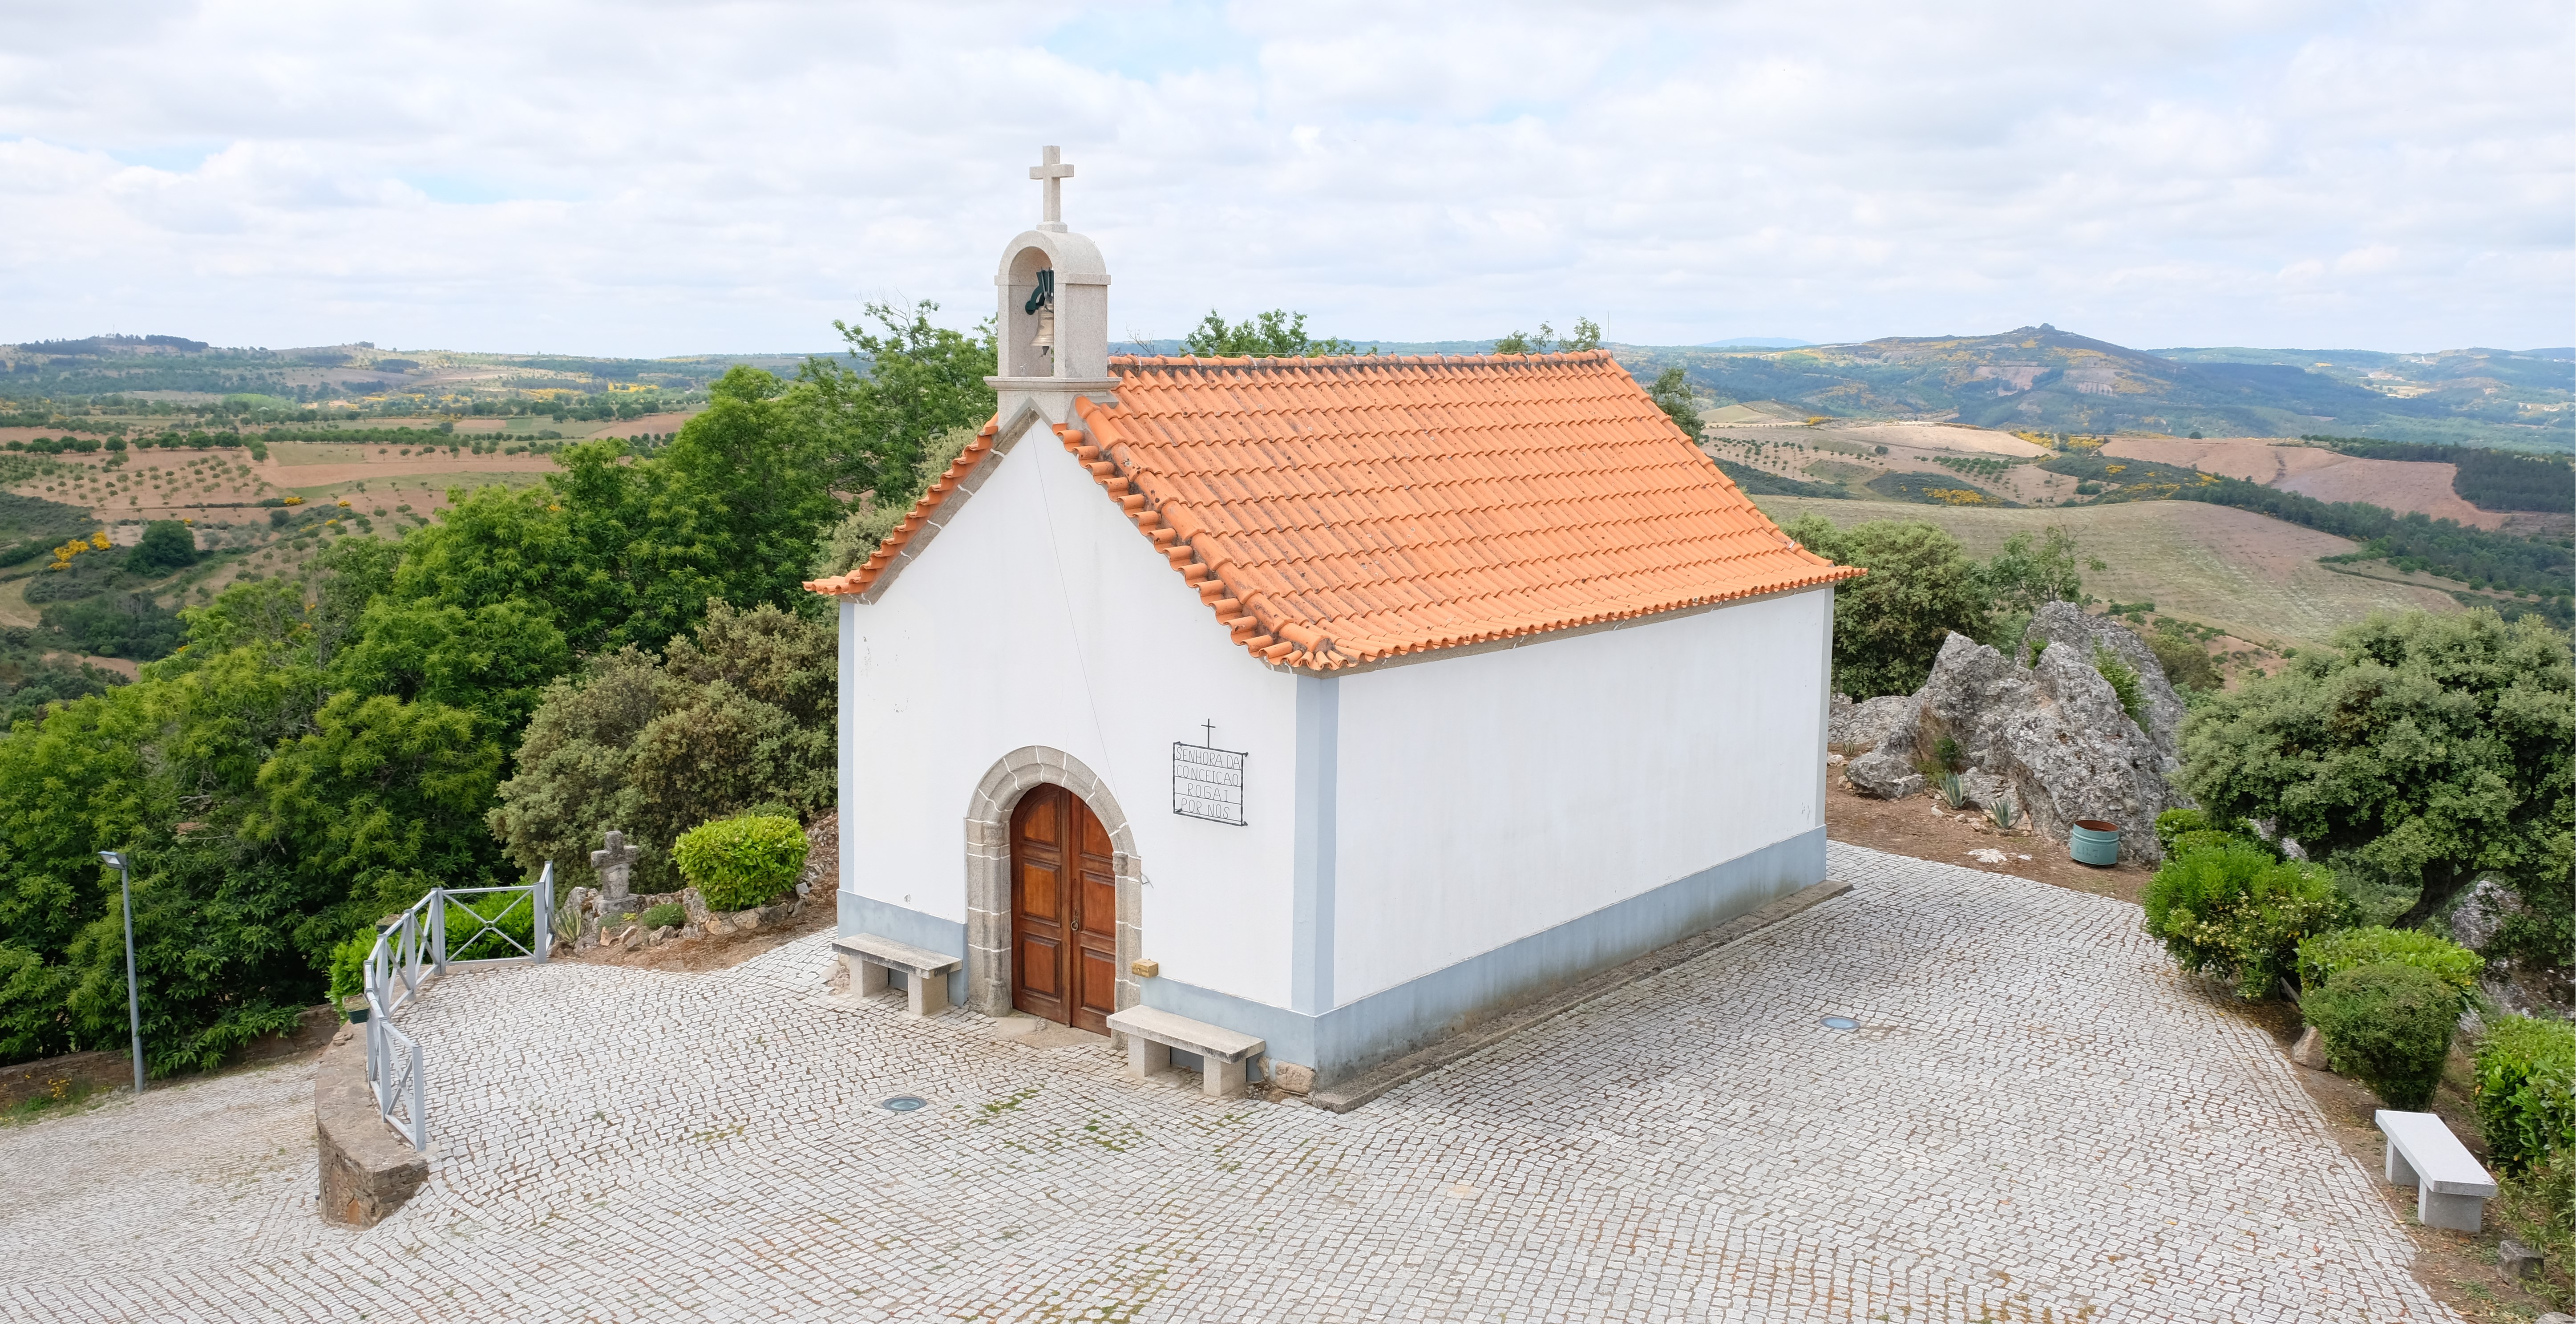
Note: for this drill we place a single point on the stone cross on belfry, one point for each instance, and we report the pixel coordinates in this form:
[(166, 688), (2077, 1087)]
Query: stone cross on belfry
[(614, 864), (1054, 172)]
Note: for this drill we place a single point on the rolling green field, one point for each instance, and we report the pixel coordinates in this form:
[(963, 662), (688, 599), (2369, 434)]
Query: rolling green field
[(2254, 577)]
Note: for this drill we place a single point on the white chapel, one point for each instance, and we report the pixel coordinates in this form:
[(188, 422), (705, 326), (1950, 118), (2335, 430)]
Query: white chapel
[(1297, 712)]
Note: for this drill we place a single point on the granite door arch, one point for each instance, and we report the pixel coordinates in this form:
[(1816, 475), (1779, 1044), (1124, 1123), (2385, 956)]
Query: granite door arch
[(990, 940)]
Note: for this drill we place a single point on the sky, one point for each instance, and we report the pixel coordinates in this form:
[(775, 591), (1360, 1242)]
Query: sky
[(663, 177)]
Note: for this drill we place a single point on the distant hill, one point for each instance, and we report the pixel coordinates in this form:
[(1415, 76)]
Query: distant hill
[(2046, 380), (2034, 379), (1753, 342), (176, 367)]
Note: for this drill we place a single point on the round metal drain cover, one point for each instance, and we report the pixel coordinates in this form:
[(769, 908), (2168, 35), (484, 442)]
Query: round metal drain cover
[(904, 1103), (1830, 1023)]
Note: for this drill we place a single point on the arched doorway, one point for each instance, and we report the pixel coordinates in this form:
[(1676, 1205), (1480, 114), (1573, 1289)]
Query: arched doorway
[(1064, 911), (991, 944)]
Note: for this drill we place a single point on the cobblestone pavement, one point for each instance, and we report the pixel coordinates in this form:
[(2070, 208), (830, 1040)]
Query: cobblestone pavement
[(2038, 1120)]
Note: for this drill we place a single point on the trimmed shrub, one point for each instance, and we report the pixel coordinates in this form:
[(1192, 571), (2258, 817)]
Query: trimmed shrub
[(666, 916), (738, 863), (2323, 956), (2527, 1091), (2389, 1025), (2226, 906)]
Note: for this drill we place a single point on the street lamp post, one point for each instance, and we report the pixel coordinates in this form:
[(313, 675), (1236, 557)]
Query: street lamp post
[(133, 989)]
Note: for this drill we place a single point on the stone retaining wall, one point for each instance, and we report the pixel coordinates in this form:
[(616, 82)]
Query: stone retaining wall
[(368, 1170)]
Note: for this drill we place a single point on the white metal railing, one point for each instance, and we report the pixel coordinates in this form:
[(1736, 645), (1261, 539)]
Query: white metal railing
[(417, 946)]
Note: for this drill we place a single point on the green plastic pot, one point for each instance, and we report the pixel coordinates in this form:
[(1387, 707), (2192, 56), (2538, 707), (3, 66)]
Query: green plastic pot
[(2094, 842)]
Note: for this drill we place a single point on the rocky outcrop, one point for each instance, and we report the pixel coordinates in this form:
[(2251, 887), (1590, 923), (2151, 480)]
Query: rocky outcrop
[(2066, 623), (2052, 736), (368, 1171), (1855, 728)]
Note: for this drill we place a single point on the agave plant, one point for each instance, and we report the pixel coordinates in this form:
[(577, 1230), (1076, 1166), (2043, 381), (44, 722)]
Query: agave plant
[(1954, 793), (2005, 812)]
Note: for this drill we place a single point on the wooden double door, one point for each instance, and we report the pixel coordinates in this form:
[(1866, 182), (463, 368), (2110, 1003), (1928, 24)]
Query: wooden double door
[(1064, 912)]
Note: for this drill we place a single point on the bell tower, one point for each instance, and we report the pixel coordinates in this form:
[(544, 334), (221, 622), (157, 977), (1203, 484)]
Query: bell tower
[(1052, 319)]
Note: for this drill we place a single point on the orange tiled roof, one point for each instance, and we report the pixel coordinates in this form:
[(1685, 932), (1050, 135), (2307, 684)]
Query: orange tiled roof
[(1338, 511)]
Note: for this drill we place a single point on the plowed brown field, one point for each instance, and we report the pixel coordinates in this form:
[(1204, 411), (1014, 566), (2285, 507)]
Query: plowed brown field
[(2399, 485)]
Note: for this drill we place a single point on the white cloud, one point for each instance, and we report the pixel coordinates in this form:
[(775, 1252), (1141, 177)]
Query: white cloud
[(675, 177)]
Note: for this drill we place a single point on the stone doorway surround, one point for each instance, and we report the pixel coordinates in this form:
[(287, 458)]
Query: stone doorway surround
[(988, 871)]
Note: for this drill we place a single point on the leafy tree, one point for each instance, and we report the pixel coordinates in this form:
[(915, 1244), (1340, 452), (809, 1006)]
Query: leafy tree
[(1672, 394), (2417, 753), (1585, 336), (1276, 334), (2186, 663), (121, 625), (491, 661), (1890, 623), (380, 802), (921, 381), (167, 545), (738, 717), (852, 539), (2024, 577)]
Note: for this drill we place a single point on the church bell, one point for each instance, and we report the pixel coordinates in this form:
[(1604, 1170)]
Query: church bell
[(1045, 338)]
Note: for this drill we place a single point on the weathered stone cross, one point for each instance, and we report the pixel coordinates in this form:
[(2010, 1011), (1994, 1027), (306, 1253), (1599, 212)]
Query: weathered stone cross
[(1054, 172), (614, 864)]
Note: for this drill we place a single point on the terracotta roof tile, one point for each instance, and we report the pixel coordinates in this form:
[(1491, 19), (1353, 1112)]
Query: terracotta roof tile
[(1337, 511)]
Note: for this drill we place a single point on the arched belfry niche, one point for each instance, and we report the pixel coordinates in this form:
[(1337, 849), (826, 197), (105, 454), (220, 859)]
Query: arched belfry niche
[(1081, 292), (988, 870)]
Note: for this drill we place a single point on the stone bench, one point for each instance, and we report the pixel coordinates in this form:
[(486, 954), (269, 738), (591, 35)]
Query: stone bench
[(2451, 1189), (1152, 1035), (925, 973)]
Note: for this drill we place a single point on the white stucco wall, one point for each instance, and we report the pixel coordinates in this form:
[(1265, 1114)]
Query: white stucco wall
[(1487, 797), (1040, 616)]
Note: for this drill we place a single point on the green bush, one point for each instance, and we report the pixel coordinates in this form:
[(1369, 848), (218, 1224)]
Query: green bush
[(2172, 823), (2390, 1025), (666, 916), (349, 965), (2327, 954), (2226, 906), (738, 863), (167, 545), (2186, 661), (2527, 1091)]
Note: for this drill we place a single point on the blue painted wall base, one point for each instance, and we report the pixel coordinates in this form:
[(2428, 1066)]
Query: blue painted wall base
[(1388, 1024)]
